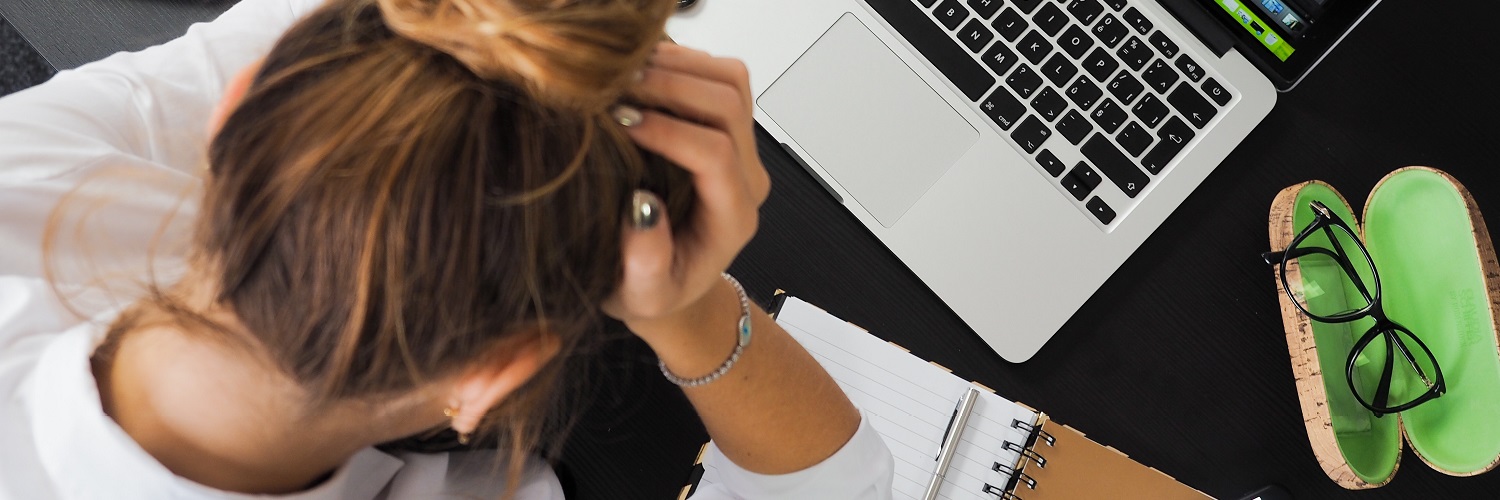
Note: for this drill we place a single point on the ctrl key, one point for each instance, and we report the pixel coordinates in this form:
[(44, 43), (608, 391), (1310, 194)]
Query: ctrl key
[(1101, 211)]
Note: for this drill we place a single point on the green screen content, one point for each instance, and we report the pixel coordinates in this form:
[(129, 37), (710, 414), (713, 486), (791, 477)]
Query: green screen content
[(1255, 26)]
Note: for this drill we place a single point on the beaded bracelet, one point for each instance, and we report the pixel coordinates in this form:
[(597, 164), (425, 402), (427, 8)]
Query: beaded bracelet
[(744, 340)]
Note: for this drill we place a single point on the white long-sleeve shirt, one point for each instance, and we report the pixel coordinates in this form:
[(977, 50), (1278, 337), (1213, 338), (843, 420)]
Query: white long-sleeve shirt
[(122, 142)]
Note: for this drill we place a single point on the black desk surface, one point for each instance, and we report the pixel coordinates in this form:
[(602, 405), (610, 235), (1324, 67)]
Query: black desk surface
[(1178, 360)]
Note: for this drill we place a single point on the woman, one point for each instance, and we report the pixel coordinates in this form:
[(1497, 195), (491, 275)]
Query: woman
[(411, 214)]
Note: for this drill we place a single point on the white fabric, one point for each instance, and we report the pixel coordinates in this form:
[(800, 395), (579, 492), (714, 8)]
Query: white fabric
[(126, 137)]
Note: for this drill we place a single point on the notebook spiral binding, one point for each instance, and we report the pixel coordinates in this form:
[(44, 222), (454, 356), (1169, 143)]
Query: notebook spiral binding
[(1036, 432), (1027, 452), (1035, 435), (999, 493), (1010, 472)]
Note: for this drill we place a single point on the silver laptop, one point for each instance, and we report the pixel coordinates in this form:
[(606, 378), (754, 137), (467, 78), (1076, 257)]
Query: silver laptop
[(1013, 153)]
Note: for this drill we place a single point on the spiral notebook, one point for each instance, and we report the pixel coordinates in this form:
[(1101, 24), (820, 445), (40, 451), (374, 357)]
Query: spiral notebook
[(1006, 450)]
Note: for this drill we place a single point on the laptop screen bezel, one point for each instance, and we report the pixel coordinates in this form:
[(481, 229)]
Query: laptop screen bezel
[(1320, 38)]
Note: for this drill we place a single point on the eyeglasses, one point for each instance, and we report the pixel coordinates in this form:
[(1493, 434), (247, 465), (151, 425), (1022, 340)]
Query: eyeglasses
[(1332, 288)]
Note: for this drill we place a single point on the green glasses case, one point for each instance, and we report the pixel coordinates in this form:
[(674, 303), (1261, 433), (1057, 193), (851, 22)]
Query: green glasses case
[(1438, 277)]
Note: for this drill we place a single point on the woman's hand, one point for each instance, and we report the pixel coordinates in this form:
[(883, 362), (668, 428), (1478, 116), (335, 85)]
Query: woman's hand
[(706, 128)]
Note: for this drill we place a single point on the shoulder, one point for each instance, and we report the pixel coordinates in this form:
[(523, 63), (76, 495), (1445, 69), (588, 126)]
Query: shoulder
[(470, 474)]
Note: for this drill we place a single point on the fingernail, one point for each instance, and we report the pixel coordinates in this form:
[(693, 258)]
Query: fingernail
[(645, 209), (627, 115), (638, 76)]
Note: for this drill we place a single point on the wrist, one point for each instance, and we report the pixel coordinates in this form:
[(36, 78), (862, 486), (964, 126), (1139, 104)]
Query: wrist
[(696, 340)]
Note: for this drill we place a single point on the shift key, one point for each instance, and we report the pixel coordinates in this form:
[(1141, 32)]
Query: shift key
[(1115, 165)]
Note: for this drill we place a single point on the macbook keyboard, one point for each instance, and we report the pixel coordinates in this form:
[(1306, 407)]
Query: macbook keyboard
[(1099, 99)]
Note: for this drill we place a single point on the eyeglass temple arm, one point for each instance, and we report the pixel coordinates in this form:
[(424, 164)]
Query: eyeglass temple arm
[(1274, 258), (1383, 391)]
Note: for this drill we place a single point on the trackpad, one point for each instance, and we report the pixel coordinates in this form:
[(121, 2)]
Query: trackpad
[(873, 124)]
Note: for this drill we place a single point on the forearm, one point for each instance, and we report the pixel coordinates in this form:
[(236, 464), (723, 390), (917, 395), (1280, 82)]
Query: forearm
[(776, 410)]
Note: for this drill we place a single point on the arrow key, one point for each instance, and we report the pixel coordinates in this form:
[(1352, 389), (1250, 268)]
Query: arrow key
[(1192, 105), (1080, 181), (1101, 211)]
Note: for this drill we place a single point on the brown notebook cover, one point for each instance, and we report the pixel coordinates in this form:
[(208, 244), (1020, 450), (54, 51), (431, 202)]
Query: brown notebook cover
[(1062, 463)]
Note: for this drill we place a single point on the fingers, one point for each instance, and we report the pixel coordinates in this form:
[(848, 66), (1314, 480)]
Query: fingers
[(709, 154), (689, 96), (712, 91), (681, 59), (648, 256)]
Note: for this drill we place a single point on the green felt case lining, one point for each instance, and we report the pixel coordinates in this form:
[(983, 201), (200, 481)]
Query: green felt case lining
[(1418, 232)]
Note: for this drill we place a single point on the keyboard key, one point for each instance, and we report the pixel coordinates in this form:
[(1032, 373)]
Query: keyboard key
[(1011, 24), (1114, 165), (975, 35), (1050, 19), (1049, 104), (1024, 81), (1050, 163), (985, 8), (1165, 45), (1059, 69), (1084, 94), (999, 58), (1150, 111), (935, 45), (951, 13), (1135, 53), (1110, 31), (1134, 139), (1085, 175), (1002, 108), (1076, 188), (1026, 5), (1125, 87), (1116, 4), (1075, 42), (1085, 11), (1100, 64), (1080, 181), (1034, 46), (1174, 136), (1109, 116), (1216, 92), (1074, 127), (1193, 71), (1160, 76), (1135, 18), (1192, 105), (926, 3), (1101, 211), (1031, 133)]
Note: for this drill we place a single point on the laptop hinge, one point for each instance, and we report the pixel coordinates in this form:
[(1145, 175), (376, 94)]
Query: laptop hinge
[(1194, 15)]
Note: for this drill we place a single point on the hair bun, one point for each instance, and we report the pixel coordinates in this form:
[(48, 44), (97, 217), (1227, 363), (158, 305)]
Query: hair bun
[(570, 53)]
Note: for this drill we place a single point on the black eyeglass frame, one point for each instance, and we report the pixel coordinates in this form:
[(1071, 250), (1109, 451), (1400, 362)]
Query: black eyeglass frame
[(1325, 220)]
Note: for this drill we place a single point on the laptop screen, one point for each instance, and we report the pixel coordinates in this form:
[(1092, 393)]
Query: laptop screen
[(1286, 38)]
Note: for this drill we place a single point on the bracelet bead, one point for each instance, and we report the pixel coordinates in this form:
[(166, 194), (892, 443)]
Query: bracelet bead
[(742, 333)]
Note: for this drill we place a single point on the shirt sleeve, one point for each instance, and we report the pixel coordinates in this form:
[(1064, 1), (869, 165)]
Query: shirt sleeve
[(862, 469), (134, 125)]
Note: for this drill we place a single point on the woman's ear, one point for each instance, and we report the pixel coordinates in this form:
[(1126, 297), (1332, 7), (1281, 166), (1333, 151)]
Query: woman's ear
[(234, 92), (496, 376)]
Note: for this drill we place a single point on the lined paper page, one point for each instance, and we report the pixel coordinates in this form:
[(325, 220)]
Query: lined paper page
[(909, 402)]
